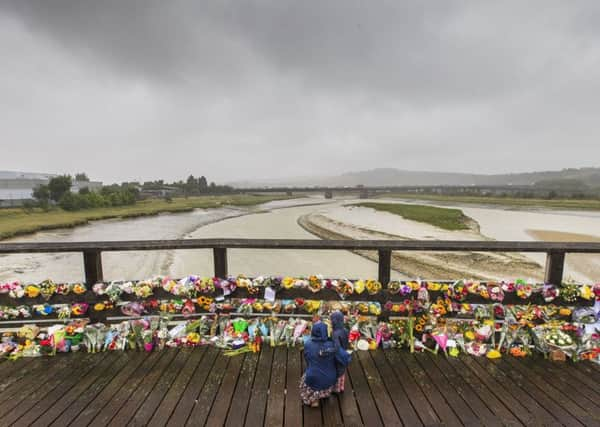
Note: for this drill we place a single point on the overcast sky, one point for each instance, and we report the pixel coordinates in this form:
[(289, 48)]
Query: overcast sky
[(138, 90)]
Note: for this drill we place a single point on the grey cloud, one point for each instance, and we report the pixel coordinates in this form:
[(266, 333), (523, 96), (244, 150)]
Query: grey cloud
[(316, 86)]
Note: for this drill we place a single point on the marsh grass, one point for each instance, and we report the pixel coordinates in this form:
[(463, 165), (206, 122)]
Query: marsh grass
[(448, 219)]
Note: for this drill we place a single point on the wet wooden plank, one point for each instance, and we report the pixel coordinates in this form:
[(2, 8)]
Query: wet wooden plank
[(332, 415), (168, 404), (159, 390), (33, 382), (311, 416), (562, 400), (362, 391), (243, 389), (275, 401), (348, 405), (434, 396), (73, 403), (456, 402), (208, 393), (49, 408), (293, 404), (464, 390), (110, 404), (481, 388), (136, 399), (400, 399), (560, 378), (220, 407), (190, 395), (91, 402), (52, 389), (515, 389), (415, 394), (387, 410), (20, 369), (258, 399), (578, 371), (590, 369)]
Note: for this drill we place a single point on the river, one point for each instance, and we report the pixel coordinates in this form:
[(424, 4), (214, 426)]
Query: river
[(279, 220)]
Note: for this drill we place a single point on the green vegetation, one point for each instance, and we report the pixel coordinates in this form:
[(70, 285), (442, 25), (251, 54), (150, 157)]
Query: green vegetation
[(448, 219), (588, 204), (15, 222)]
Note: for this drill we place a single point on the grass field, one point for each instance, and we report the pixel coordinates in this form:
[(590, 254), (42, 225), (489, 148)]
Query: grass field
[(14, 222), (448, 219), (503, 201)]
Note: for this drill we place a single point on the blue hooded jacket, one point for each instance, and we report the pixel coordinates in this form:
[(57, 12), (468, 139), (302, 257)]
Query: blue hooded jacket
[(339, 335), (320, 355)]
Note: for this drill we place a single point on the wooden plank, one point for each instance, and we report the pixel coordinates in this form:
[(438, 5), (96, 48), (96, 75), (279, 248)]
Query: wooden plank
[(364, 398), (456, 402), (435, 397), (69, 405), (209, 391), (23, 368), (188, 398), (348, 405), (220, 408), (275, 401), (399, 397), (384, 404), (589, 369), (384, 265), (9, 367), (136, 399), (481, 388), (521, 399), (555, 264), (293, 403), (332, 415), (464, 390), (561, 378), (415, 394), (30, 383), (110, 404), (168, 404), (44, 414), (562, 399), (258, 401), (92, 265), (90, 403), (220, 262), (52, 389), (159, 390), (243, 389), (534, 392), (311, 416)]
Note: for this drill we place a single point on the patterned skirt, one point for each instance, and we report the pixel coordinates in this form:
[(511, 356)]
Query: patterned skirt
[(310, 396), (339, 385)]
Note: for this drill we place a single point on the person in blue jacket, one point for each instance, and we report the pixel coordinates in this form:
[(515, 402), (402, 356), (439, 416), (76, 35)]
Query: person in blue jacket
[(321, 357), (339, 334)]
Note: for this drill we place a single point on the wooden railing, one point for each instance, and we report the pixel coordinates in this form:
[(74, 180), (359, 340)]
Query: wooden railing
[(92, 251)]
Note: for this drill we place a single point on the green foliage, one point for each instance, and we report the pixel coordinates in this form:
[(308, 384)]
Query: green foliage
[(110, 196), (82, 176), (59, 186), (448, 219)]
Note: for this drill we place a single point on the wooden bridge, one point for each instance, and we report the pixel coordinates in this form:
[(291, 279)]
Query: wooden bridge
[(201, 386)]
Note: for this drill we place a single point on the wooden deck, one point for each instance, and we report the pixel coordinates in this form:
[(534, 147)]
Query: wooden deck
[(203, 387)]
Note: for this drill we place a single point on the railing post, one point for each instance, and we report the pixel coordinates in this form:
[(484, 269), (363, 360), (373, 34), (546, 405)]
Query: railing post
[(92, 263), (555, 264), (220, 259), (385, 265)]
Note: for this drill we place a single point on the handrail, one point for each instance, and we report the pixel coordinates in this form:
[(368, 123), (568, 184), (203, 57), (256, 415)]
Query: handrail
[(555, 251), (395, 245)]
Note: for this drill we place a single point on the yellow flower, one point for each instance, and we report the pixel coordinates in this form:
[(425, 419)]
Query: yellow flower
[(493, 354), (32, 291), (78, 288), (565, 312), (454, 352), (359, 287), (488, 322), (433, 286), (99, 306), (414, 285), (469, 335), (288, 282), (585, 292)]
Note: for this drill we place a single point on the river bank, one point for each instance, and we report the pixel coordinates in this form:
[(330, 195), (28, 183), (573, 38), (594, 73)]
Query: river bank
[(18, 222), (508, 202), (429, 265)]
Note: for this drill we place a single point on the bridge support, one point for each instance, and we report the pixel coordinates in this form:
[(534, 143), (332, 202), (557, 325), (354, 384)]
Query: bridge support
[(555, 264), (92, 264), (385, 265), (220, 260)]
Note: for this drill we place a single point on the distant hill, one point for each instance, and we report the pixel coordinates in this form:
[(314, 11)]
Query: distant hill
[(393, 177)]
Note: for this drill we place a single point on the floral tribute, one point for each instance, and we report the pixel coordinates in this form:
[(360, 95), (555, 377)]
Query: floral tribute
[(485, 319)]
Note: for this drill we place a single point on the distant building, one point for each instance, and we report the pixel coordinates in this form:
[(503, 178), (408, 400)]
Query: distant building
[(17, 187)]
